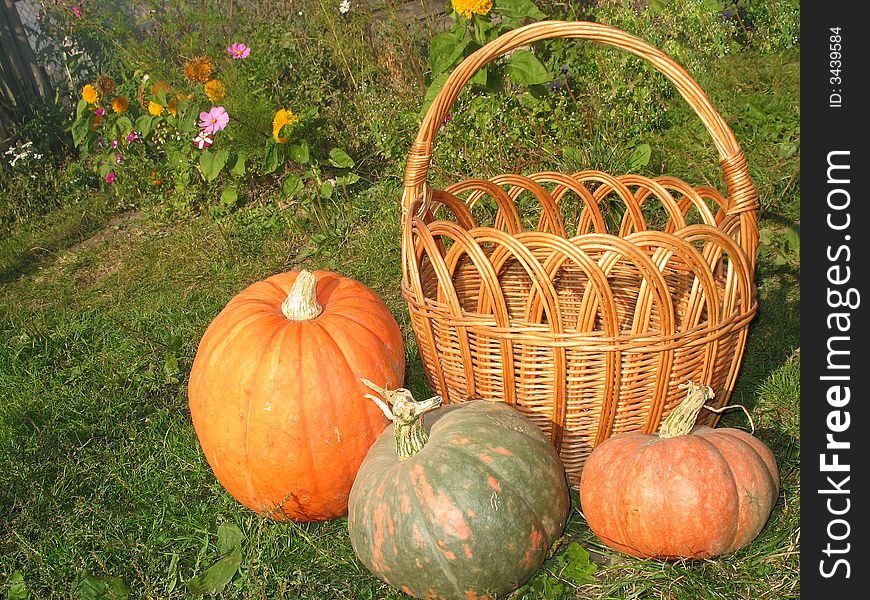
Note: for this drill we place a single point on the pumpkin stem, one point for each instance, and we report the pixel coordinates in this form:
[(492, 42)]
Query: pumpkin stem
[(301, 304), (407, 417), (682, 418)]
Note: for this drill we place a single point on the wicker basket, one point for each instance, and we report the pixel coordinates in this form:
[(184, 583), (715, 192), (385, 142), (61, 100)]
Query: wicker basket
[(587, 324)]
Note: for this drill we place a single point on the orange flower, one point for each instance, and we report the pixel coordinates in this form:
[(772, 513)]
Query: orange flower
[(90, 95), (160, 86), (466, 8), (154, 108), (120, 104), (106, 84), (198, 69), (215, 90)]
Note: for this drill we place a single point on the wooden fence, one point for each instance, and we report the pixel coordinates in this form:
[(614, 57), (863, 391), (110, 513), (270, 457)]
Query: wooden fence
[(22, 79)]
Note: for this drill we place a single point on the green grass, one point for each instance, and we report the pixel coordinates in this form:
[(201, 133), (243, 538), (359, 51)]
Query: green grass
[(103, 484)]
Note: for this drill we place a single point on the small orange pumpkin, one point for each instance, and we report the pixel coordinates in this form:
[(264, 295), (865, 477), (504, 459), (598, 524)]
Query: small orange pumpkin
[(679, 493), (275, 392)]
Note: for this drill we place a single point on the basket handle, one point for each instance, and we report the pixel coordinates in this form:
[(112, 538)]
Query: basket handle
[(742, 194)]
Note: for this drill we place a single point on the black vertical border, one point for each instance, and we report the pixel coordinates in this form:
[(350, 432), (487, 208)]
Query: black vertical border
[(828, 128)]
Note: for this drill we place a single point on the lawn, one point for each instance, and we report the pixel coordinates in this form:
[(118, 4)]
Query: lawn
[(106, 290)]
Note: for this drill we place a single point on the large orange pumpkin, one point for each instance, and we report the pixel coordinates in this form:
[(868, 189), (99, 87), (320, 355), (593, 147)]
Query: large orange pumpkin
[(275, 391), (679, 493)]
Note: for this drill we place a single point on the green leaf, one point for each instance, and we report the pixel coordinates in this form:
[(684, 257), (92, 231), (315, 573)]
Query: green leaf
[(536, 103), (291, 186), (339, 158), (177, 159), (238, 169), (173, 574), (90, 587), (215, 578), (347, 179), (308, 114), (639, 157), (170, 367), (229, 197), (81, 107), (326, 189), (520, 9), (144, 124), (299, 152), (273, 157), (787, 150), (211, 163), (17, 589), (124, 125), (229, 535), (432, 91), (445, 50), (80, 130), (480, 77), (188, 117), (793, 237), (577, 566), (523, 67)]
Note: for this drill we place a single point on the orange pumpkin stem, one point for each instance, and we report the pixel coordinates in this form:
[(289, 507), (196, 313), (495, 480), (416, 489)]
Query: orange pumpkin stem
[(301, 304), (406, 414), (682, 418)]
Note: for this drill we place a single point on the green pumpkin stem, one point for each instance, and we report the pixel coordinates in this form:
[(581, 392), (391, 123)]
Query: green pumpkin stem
[(683, 416), (301, 304), (406, 413)]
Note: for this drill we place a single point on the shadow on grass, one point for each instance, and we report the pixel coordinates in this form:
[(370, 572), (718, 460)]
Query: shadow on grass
[(27, 250)]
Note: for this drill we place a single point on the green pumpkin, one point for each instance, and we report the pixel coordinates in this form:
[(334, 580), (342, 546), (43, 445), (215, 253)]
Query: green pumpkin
[(465, 503)]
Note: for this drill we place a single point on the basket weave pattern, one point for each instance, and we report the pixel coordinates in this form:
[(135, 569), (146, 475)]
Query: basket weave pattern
[(582, 299)]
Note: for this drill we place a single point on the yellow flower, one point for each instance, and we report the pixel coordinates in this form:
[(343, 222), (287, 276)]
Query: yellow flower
[(468, 7), (120, 104), (215, 90), (154, 108), (90, 95), (198, 69), (106, 84), (282, 117)]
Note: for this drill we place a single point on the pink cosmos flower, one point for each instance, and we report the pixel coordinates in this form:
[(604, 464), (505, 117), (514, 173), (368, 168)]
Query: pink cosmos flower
[(118, 159), (132, 136), (214, 120), (203, 140), (111, 177), (100, 111), (238, 51), (77, 8), (114, 144)]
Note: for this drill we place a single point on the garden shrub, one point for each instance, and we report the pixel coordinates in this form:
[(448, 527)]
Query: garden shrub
[(349, 83)]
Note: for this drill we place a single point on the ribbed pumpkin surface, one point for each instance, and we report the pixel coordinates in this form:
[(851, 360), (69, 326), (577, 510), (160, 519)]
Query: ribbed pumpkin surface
[(697, 495), (278, 405), (472, 515)]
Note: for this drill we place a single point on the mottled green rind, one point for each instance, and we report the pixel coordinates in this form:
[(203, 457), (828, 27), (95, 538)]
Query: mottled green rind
[(472, 515)]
